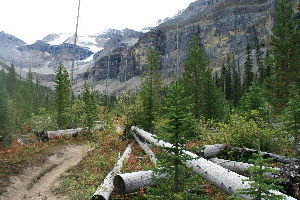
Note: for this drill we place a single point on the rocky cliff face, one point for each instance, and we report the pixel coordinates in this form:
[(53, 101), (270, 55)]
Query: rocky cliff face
[(111, 60), (8, 44), (59, 53), (223, 27)]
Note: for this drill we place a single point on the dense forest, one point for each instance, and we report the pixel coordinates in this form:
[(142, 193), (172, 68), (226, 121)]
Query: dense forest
[(255, 104)]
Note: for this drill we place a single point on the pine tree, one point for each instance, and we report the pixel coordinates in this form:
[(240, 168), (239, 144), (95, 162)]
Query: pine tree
[(194, 67), (199, 84), (11, 80), (259, 58), (254, 99), (248, 77), (90, 106), (226, 77), (212, 103), (150, 91), (293, 115), (4, 116), (236, 84), (38, 97), (261, 186), (177, 127), (286, 58), (62, 92)]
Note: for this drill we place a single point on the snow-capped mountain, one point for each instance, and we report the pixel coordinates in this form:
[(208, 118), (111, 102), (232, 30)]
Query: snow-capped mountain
[(45, 55)]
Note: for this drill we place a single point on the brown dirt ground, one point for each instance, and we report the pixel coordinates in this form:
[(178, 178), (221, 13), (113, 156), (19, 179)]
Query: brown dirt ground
[(48, 186)]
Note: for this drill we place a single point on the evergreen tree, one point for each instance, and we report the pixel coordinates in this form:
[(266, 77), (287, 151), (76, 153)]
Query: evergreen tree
[(226, 77), (150, 91), (177, 127), (62, 92), (11, 80), (4, 116), (248, 77), (76, 113), (255, 100), (262, 186), (29, 92), (259, 58), (236, 84), (286, 58), (90, 106), (3, 78), (199, 84), (212, 103), (293, 115), (194, 68), (268, 65), (38, 98)]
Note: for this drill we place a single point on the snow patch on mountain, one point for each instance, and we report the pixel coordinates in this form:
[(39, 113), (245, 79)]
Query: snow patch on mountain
[(60, 39)]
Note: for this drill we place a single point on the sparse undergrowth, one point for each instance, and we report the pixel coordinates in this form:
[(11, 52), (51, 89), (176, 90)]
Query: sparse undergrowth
[(16, 157), (40, 175)]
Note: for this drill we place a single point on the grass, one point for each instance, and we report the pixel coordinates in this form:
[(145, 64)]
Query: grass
[(40, 175)]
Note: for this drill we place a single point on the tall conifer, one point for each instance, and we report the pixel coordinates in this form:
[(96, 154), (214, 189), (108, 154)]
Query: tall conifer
[(199, 85), (248, 76), (194, 68), (286, 58), (177, 127), (150, 91), (90, 106), (62, 91)]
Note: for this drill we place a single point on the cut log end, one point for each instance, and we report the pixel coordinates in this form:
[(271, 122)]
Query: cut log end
[(98, 197), (119, 185)]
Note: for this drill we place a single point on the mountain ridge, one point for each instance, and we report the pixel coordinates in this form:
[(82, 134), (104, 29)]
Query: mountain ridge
[(224, 27)]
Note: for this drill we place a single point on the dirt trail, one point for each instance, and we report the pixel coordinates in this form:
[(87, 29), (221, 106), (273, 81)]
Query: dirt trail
[(46, 187)]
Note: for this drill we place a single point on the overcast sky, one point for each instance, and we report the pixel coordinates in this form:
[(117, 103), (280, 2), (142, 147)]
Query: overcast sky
[(31, 20)]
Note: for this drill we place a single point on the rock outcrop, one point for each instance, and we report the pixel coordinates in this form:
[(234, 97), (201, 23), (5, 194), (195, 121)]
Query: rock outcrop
[(60, 53), (223, 27)]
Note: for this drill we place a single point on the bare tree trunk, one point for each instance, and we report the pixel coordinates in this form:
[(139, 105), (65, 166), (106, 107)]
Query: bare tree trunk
[(224, 179), (133, 182), (105, 189), (146, 148), (238, 167), (210, 151)]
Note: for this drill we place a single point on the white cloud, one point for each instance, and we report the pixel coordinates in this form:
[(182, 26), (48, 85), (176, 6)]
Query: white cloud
[(31, 20)]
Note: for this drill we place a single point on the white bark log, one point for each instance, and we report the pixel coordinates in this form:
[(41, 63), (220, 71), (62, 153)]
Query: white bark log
[(146, 148), (105, 189), (215, 150), (59, 133), (224, 179), (238, 167), (210, 151), (133, 182)]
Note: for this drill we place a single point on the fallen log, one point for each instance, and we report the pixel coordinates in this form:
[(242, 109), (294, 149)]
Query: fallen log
[(134, 181), (224, 179), (105, 189), (238, 167), (146, 149), (60, 133), (215, 150)]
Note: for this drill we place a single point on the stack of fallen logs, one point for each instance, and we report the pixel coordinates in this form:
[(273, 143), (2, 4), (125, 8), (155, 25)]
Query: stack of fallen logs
[(227, 175)]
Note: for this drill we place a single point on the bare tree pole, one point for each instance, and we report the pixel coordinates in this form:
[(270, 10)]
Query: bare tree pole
[(74, 49), (177, 59), (106, 82)]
